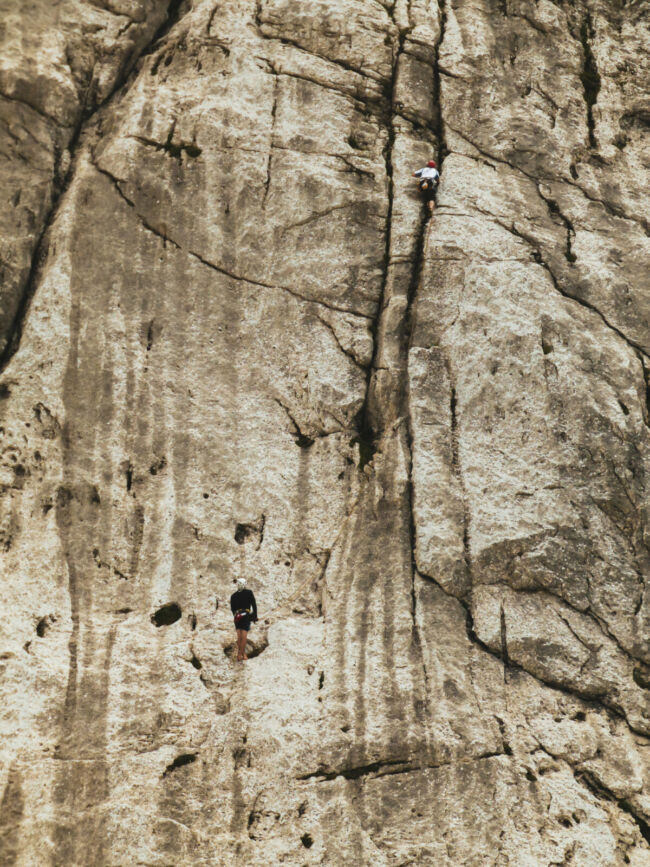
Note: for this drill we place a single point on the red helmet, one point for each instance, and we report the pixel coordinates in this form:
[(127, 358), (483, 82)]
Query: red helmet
[(432, 164)]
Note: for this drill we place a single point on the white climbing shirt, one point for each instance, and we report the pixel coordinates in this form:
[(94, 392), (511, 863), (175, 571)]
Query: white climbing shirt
[(428, 172)]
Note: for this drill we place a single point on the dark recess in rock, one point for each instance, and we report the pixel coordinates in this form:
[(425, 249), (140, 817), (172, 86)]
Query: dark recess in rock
[(253, 531), (179, 762), (590, 77), (365, 439), (167, 614), (242, 532), (641, 675), (252, 650), (158, 465), (639, 120)]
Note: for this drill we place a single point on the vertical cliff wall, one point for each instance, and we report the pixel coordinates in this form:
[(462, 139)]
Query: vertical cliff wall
[(234, 344)]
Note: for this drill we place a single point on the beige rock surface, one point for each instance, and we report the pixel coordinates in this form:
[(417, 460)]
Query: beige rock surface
[(235, 345)]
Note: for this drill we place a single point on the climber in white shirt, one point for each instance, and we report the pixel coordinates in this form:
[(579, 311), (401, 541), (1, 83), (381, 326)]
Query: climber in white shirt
[(428, 178)]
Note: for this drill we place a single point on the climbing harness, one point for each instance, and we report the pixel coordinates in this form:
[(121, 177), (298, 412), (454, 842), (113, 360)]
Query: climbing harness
[(240, 614)]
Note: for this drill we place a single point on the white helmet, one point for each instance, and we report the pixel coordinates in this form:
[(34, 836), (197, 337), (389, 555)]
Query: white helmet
[(241, 583)]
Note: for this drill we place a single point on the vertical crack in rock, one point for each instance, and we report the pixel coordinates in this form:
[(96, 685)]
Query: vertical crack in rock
[(274, 108), (589, 76), (437, 101), (41, 248), (175, 11), (556, 214), (399, 382), (646, 375), (504, 642), (456, 465)]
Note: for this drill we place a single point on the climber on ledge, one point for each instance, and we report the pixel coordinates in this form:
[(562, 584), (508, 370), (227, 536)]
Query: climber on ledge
[(244, 609), (428, 178)]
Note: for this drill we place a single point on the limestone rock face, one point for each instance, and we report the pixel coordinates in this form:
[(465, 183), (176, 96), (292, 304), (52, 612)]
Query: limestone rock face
[(234, 343)]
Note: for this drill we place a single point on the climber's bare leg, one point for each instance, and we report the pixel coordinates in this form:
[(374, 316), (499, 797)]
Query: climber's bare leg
[(431, 205), (242, 635)]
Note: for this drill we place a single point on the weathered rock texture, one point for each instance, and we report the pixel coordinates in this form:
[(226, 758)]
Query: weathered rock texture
[(233, 343)]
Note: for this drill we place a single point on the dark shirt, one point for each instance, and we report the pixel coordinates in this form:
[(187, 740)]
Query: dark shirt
[(242, 599)]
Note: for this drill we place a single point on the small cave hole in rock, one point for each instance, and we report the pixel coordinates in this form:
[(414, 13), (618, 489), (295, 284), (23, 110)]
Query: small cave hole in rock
[(157, 466), (179, 762), (581, 716), (5, 391), (253, 531), (530, 776), (566, 823), (166, 614), (196, 662), (241, 758), (302, 809), (547, 347), (307, 841), (302, 440), (42, 626), (242, 532), (192, 620), (626, 411), (321, 679), (129, 477), (252, 650), (641, 675)]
